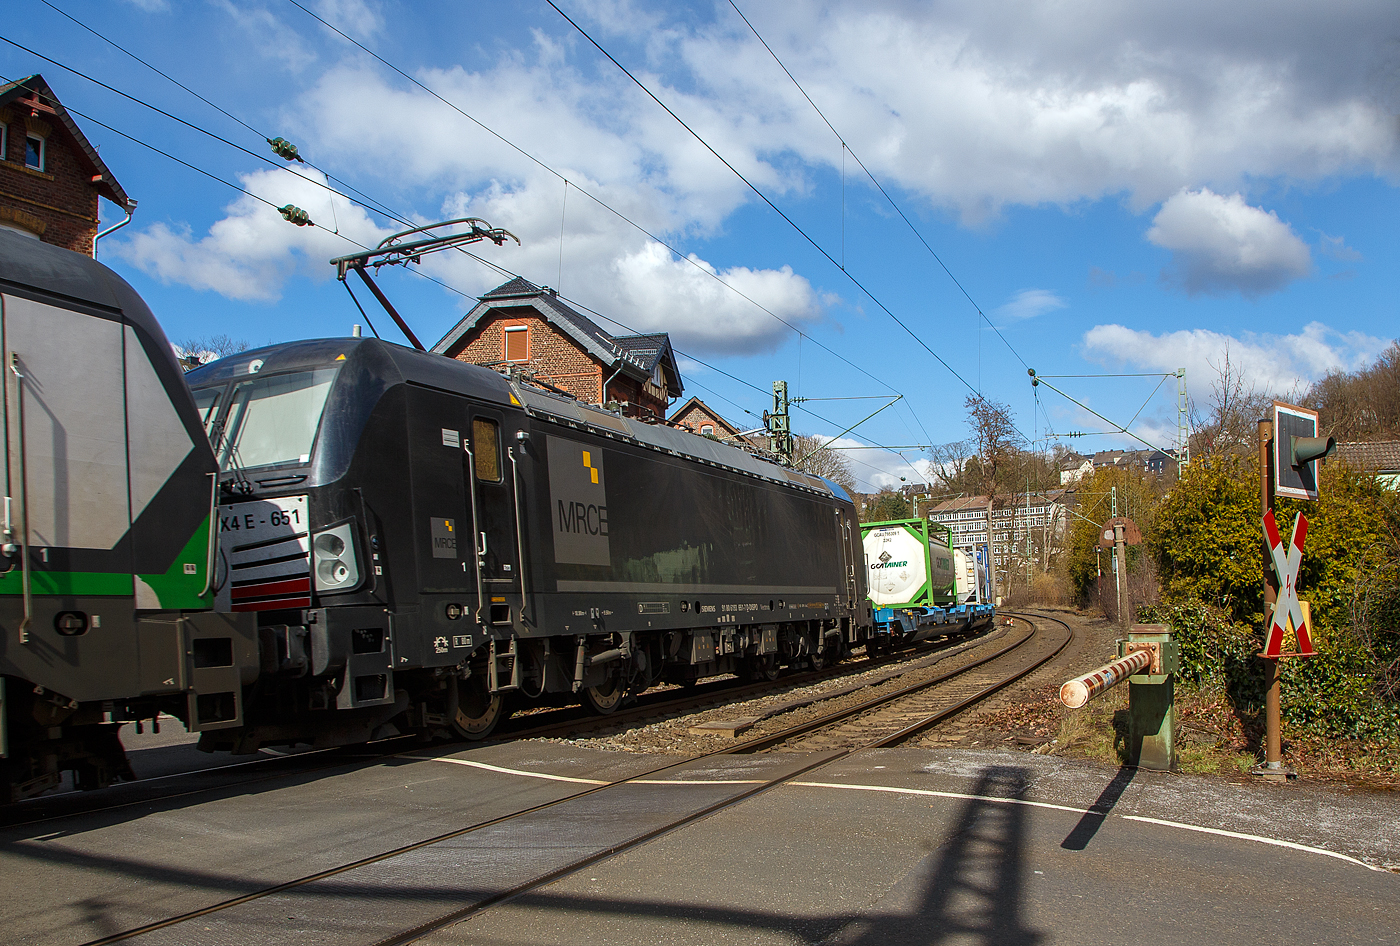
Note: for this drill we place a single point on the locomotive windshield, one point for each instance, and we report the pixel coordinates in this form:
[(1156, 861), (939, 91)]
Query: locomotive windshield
[(269, 420), (205, 400)]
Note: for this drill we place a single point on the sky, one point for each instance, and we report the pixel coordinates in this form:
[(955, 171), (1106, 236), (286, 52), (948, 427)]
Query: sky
[(898, 201)]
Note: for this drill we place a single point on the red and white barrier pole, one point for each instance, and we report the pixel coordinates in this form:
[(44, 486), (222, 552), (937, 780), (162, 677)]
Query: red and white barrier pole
[(1081, 690)]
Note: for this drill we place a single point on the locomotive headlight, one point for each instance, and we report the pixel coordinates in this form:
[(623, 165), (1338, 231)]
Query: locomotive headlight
[(336, 567)]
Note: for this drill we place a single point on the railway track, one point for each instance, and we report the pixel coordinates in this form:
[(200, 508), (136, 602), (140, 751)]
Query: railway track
[(558, 723), (401, 895)]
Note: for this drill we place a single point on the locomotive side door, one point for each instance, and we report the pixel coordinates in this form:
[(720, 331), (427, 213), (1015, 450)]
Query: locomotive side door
[(491, 480)]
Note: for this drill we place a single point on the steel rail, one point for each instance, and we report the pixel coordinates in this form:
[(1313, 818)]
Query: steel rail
[(825, 758), (486, 902), (764, 742), (949, 712), (714, 693)]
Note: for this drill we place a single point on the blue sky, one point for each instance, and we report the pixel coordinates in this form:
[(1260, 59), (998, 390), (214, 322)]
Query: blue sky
[(1119, 188)]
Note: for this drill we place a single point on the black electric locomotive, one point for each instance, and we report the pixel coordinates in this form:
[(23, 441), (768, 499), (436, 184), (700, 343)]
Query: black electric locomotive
[(107, 551), (425, 543)]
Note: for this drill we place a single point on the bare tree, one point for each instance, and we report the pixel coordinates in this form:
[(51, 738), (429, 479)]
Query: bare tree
[(950, 464), (1229, 423), (996, 438), (811, 458), (1364, 404), (194, 352)]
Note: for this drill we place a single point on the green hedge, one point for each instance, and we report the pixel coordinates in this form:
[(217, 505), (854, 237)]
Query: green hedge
[(1207, 540)]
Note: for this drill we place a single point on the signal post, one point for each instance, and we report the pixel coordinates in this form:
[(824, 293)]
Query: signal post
[(1289, 449)]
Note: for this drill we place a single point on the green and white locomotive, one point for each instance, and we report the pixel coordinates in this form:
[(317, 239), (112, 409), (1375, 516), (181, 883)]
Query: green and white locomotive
[(106, 558)]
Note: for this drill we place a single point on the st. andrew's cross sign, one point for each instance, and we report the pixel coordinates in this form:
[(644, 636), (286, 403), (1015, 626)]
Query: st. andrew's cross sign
[(1286, 559)]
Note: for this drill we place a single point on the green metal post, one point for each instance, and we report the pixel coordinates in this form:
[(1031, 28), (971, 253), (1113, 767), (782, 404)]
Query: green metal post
[(1151, 699)]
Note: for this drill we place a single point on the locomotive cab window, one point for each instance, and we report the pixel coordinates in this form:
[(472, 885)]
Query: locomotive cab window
[(486, 446), (205, 401), (273, 419)]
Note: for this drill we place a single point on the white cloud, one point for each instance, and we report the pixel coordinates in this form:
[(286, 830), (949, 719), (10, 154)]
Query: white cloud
[(252, 251), (1222, 244), (352, 16), (978, 105), (961, 104), (1335, 247), (1272, 363), (875, 469), (271, 37), (1028, 303)]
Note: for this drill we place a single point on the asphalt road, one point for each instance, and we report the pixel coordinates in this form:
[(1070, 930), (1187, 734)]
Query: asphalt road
[(897, 846)]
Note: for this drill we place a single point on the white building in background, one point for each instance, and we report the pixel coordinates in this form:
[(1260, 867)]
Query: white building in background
[(1024, 528), (1074, 468)]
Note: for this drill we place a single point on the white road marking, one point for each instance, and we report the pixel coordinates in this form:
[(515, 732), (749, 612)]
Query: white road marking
[(924, 792), (934, 794), (505, 771), (1254, 837)]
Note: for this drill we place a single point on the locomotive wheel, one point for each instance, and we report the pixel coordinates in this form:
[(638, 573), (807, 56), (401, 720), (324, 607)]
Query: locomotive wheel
[(604, 699), (479, 712), (760, 668)]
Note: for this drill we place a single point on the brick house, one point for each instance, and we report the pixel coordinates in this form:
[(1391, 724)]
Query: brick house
[(521, 329), (699, 418), (50, 175)]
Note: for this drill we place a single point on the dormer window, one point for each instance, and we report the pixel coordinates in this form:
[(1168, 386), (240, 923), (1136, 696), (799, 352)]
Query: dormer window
[(34, 152), (658, 376), (517, 343)]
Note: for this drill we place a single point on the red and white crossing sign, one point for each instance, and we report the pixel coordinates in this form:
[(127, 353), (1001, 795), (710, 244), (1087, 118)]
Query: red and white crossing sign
[(1286, 561)]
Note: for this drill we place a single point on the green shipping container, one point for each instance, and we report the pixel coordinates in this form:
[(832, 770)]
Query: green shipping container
[(908, 564)]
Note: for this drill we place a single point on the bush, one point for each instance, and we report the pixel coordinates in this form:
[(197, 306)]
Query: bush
[(1208, 543)]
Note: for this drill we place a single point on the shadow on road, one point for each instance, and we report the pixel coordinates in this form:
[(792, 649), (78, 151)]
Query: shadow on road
[(1093, 819)]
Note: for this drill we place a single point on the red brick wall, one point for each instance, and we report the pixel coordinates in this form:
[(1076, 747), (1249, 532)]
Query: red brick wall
[(63, 196), (696, 416), (642, 403), (556, 359)]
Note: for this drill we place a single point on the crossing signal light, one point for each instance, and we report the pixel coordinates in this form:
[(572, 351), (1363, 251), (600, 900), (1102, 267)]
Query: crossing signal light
[(1306, 449)]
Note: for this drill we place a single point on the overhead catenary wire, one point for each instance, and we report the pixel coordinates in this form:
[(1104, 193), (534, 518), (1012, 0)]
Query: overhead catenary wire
[(762, 196), (846, 148), (227, 183), (544, 166), (373, 204), (366, 201), (595, 199), (222, 111), (733, 377)]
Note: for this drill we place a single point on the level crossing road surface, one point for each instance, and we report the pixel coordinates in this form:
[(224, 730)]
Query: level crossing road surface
[(897, 846)]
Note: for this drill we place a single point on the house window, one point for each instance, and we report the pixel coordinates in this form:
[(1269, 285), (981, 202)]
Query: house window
[(34, 152), (517, 343), (4, 142), (707, 429)]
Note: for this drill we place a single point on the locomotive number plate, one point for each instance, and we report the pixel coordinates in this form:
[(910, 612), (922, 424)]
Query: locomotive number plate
[(264, 548), (285, 514)]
